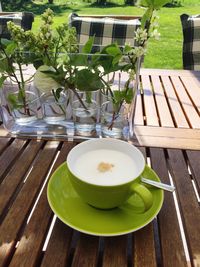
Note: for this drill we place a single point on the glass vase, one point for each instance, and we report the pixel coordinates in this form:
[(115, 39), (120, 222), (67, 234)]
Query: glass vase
[(114, 123), (85, 112), (118, 105), (21, 105), (54, 108)]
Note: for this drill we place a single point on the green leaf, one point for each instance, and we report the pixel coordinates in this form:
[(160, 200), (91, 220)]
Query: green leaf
[(155, 4), (57, 93), (159, 3), (2, 79), (4, 66), (78, 60), (63, 59), (123, 95), (129, 96), (87, 48), (113, 50), (21, 96), (45, 79), (116, 59), (88, 97), (5, 42), (108, 59), (146, 17), (86, 80), (10, 49), (118, 96), (14, 103), (127, 48)]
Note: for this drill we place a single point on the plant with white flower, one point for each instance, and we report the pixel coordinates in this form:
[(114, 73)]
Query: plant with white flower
[(141, 35), (128, 59)]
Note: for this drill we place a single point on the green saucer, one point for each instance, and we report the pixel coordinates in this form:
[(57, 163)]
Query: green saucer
[(70, 209)]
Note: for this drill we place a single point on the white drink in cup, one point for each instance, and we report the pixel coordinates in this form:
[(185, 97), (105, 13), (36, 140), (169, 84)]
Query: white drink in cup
[(106, 172)]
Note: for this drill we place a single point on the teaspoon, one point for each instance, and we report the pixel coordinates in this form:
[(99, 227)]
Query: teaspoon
[(163, 186)]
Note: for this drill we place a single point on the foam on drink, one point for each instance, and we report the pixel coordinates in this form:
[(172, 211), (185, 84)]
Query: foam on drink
[(105, 167)]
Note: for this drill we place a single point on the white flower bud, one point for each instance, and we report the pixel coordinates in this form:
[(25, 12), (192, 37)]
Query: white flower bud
[(48, 35), (49, 19), (155, 34)]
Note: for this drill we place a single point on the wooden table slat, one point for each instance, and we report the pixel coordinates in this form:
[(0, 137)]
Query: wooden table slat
[(163, 109), (192, 87), (149, 103), (118, 256), (16, 175), (19, 211), (189, 109), (165, 73), (189, 205), (58, 249), (193, 157), (12, 153), (34, 235), (86, 251), (144, 247), (176, 109), (167, 137), (140, 249), (139, 116), (172, 250), (4, 142)]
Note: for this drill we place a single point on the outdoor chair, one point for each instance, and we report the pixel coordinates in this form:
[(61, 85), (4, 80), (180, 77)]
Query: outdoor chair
[(23, 19), (191, 41), (106, 30)]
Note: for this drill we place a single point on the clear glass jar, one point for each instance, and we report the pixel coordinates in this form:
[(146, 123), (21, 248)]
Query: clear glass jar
[(54, 108)]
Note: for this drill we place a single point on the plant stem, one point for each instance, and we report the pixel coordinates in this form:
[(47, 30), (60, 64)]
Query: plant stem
[(83, 104), (60, 106), (23, 91)]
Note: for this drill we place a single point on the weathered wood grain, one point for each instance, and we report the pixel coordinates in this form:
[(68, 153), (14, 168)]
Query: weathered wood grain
[(29, 249), (86, 252), (189, 206), (16, 175), (172, 250), (15, 220), (116, 257)]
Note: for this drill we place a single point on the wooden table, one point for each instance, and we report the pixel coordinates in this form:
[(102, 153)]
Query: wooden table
[(30, 235)]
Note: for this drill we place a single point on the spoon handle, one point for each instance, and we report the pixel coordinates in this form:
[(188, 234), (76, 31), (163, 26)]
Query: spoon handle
[(166, 187)]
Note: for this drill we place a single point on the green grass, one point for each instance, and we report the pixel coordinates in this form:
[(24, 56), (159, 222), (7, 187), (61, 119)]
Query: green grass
[(164, 53)]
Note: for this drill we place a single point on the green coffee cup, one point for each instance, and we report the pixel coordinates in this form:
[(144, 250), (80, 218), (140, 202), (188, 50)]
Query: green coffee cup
[(106, 172)]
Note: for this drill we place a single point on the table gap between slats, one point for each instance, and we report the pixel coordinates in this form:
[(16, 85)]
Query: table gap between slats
[(139, 116), (176, 108), (194, 179), (189, 110), (188, 204), (192, 157), (192, 89), (161, 103), (149, 103), (4, 143), (168, 102), (180, 96)]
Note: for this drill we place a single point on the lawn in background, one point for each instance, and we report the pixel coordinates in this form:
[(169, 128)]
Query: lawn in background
[(164, 53)]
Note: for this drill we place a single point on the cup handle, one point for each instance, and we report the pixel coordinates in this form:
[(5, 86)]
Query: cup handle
[(144, 194)]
